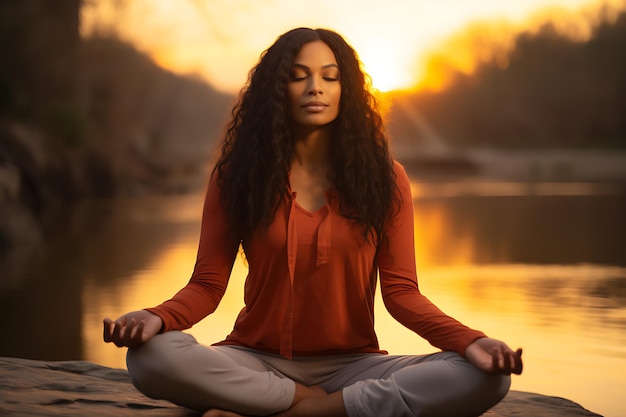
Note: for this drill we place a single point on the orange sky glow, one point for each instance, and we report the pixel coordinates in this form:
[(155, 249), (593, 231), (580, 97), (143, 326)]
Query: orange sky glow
[(403, 44)]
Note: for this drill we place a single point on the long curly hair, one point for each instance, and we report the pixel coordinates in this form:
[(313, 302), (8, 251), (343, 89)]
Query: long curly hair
[(257, 150)]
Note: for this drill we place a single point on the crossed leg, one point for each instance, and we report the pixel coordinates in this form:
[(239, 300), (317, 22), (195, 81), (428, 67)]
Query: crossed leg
[(232, 382)]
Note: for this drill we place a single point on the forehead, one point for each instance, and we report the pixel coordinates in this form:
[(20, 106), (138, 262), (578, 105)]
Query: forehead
[(315, 53)]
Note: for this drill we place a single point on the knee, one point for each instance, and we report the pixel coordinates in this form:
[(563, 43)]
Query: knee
[(483, 390), (496, 387), (488, 390), (492, 387), (156, 359), (159, 353)]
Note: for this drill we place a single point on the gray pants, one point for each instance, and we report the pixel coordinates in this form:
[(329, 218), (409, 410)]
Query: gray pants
[(173, 366)]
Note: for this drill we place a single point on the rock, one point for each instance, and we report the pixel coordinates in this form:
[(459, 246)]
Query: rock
[(75, 388), (78, 388), (518, 403)]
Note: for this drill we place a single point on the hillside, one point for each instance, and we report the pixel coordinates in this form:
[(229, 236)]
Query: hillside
[(92, 117), (550, 91)]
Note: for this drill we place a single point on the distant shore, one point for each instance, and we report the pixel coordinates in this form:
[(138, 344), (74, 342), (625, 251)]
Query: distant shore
[(558, 165)]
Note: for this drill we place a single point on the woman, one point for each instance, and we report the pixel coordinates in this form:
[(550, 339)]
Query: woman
[(306, 185)]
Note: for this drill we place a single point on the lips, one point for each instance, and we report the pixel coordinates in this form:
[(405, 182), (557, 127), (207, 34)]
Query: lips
[(315, 106)]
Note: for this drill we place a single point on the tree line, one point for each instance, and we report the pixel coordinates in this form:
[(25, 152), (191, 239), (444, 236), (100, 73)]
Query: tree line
[(554, 92)]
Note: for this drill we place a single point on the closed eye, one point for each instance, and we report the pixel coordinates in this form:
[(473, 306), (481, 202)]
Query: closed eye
[(302, 72), (298, 75)]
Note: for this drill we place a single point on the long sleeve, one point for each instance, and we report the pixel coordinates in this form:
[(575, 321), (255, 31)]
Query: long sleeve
[(400, 291), (216, 255)]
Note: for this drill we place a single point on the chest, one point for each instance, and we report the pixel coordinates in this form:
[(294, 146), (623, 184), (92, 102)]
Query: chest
[(309, 188), (297, 233)]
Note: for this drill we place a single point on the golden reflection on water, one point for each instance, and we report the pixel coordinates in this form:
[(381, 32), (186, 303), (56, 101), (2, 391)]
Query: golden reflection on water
[(569, 318), (144, 288)]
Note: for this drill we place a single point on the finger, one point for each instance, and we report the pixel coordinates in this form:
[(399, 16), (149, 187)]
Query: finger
[(509, 362), (138, 335), (128, 332), (118, 332), (515, 360), (519, 364), (495, 362), (107, 329), (506, 364), (503, 360), (131, 330), (134, 334)]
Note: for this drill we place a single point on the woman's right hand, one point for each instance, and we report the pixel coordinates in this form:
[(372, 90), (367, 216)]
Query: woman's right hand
[(132, 329)]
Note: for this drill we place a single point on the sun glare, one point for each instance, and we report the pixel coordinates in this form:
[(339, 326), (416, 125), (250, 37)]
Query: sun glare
[(384, 65)]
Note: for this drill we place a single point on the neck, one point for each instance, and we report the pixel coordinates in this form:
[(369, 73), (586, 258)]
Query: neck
[(311, 148)]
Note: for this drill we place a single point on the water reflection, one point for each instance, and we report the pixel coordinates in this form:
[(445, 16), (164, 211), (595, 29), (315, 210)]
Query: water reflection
[(93, 249), (543, 270), (545, 229)]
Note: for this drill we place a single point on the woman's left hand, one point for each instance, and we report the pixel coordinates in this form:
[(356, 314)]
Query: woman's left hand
[(494, 356)]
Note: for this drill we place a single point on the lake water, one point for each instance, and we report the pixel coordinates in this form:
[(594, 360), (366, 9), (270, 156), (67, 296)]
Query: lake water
[(541, 266)]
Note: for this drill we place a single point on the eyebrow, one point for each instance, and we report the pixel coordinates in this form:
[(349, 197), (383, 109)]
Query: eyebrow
[(323, 66)]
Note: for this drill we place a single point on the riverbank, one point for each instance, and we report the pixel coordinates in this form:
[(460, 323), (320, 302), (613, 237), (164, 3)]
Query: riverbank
[(79, 388), (524, 165)]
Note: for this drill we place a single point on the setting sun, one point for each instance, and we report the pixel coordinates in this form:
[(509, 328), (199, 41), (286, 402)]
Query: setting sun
[(386, 66)]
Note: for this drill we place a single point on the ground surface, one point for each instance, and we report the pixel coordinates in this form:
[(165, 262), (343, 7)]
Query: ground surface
[(77, 388)]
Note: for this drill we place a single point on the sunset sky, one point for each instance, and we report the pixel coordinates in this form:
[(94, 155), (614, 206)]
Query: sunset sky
[(221, 40)]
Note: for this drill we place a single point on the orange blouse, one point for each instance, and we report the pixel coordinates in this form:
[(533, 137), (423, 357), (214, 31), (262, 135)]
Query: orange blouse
[(311, 282)]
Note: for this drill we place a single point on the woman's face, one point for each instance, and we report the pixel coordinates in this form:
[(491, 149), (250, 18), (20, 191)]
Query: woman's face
[(314, 88)]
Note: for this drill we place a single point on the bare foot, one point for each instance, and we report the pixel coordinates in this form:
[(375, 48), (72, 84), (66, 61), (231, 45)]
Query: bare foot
[(303, 392), (318, 389), (220, 413)]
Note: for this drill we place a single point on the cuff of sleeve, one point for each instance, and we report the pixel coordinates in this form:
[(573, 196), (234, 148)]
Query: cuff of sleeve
[(162, 316), (463, 345)]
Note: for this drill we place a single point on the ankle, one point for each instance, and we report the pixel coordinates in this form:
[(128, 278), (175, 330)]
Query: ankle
[(303, 392)]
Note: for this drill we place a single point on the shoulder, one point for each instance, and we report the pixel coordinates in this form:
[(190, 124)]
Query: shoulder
[(402, 178), (398, 169)]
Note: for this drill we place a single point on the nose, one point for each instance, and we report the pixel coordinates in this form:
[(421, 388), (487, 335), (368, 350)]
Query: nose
[(314, 87)]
